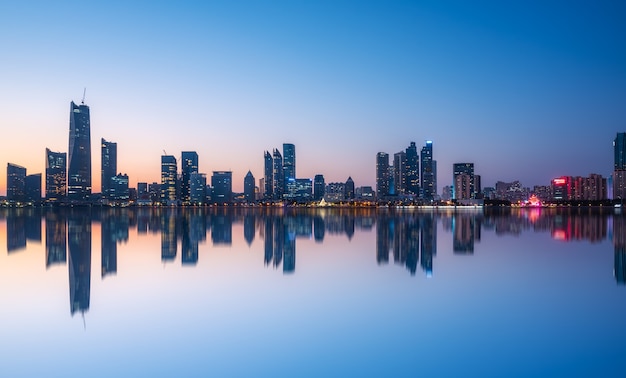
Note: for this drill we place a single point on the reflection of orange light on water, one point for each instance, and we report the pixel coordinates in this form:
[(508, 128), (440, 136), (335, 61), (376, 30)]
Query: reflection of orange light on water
[(559, 235), (534, 214)]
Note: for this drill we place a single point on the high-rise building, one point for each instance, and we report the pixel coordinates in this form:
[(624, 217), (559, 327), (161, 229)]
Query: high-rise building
[(79, 155), (279, 178), (32, 189), (168, 179), (118, 190), (189, 165), (619, 171), (428, 172), (268, 189), (197, 188), (319, 187), (248, 187), (289, 161), (299, 190), (349, 189), (56, 184), (463, 186), (109, 166), (16, 183), (412, 170), (382, 175), (222, 183), (400, 172)]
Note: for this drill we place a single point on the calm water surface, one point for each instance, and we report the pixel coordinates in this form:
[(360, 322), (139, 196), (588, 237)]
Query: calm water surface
[(218, 292)]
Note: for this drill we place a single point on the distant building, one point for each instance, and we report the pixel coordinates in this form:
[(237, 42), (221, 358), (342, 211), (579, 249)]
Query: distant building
[(412, 170), (335, 192), (619, 171), (56, 183), (428, 172), (278, 176), (168, 179), (248, 187), (365, 193), (109, 166), (155, 192), (446, 193), (33, 188), (299, 190), (118, 188), (382, 175), (268, 187), (16, 183), (400, 172), (319, 187), (189, 166), (349, 189), (289, 161), (543, 192), (79, 155), (463, 181), (561, 188), (222, 183), (197, 188)]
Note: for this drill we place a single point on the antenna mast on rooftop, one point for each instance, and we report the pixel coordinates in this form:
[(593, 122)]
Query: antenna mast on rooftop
[(84, 93)]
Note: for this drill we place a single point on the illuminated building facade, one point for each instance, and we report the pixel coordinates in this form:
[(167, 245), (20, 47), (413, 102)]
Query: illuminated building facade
[(189, 165), (222, 183), (168, 179), (16, 183), (319, 187), (109, 166), (412, 170), (382, 175), (248, 187), (79, 156), (428, 172), (268, 184), (463, 181), (619, 171), (56, 184)]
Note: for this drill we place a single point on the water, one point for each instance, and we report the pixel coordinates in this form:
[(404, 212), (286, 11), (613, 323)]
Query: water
[(236, 292)]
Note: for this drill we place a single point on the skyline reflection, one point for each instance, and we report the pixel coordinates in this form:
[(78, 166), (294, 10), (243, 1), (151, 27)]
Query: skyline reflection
[(408, 238)]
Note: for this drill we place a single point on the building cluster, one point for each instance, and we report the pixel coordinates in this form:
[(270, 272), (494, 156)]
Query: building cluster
[(405, 178), (411, 177)]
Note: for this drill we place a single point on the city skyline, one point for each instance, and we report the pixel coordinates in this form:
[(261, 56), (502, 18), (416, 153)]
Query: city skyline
[(525, 93)]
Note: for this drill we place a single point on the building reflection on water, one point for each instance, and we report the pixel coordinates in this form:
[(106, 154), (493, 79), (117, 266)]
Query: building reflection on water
[(408, 238)]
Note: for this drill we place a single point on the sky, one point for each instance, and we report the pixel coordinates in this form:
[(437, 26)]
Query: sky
[(524, 90)]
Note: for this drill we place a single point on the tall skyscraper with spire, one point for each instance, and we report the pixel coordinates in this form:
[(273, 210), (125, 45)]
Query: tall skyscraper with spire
[(79, 159)]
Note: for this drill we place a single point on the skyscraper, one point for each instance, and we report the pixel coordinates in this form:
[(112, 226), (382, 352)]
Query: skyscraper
[(222, 183), (349, 189), (428, 171), (168, 179), (248, 187), (619, 172), (56, 184), (279, 177), (16, 183), (382, 175), (268, 190), (400, 172), (189, 165), (412, 170), (289, 161), (109, 166), (319, 187), (32, 188), (79, 159), (463, 180)]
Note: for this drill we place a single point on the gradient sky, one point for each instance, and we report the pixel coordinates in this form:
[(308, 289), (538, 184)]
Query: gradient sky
[(525, 90)]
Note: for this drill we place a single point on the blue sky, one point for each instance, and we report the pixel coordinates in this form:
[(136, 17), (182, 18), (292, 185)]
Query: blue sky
[(525, 90)]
